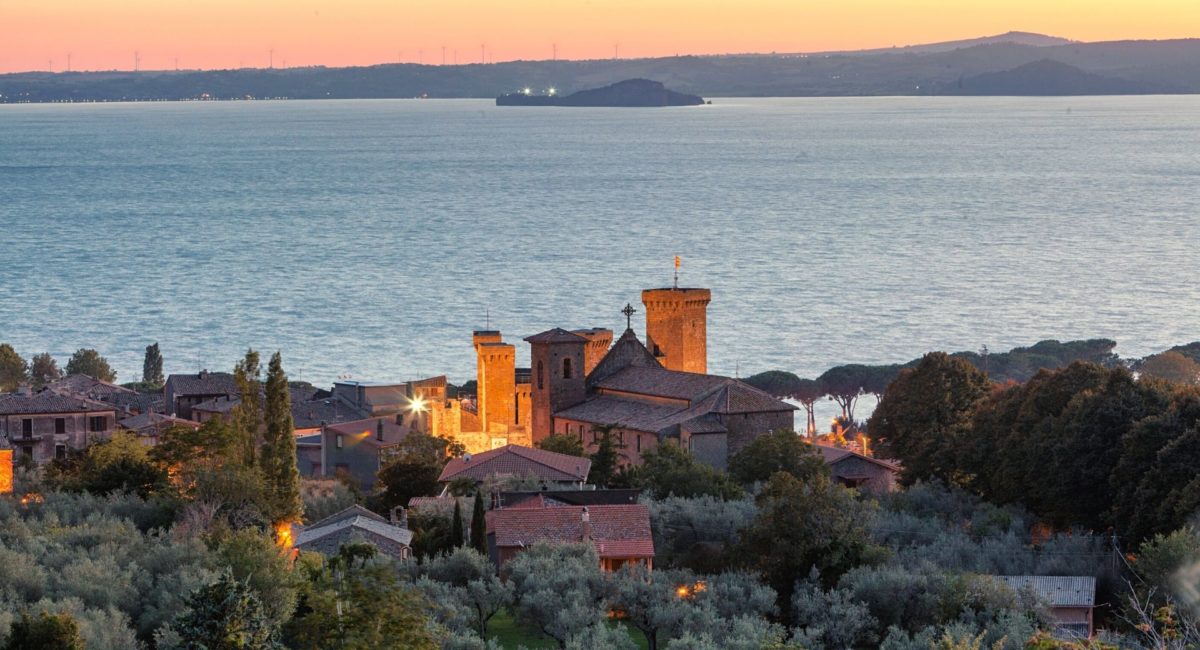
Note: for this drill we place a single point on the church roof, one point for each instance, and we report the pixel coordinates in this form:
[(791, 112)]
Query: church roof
[(517, 460), (627, 352), (626, 413), (556, 335), (660, 382)]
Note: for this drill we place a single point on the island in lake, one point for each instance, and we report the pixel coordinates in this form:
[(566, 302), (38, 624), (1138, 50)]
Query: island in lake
[(625, 94)]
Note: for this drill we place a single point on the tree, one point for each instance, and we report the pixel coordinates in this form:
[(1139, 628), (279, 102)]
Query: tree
[(844, 385), (226, 615), (777, 451), (925, 415), (456, 526), (651, 601), (413, 467), (13, 369), (669, 470), (808, 391), (606, 459), (478, 525), (563, 443), (465, 586), (803, 526), (152, 366), (247, 415), (780, 383), (559, 589), (1171, 366), (278, 456), (87, 361), (46, 632), (43, 369)]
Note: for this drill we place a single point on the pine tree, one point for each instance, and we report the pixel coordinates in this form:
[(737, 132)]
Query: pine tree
[(457, 537), (606, 460), (478, 525), (13, 369), (278, 458), (247, 415), (43, 369), (152, 366)]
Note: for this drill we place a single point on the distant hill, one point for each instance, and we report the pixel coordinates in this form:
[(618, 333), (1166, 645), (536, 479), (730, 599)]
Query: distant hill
[(1015, 63), (1046, 78)]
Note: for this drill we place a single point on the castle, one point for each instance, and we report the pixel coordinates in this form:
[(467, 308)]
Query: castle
[(647, 393)]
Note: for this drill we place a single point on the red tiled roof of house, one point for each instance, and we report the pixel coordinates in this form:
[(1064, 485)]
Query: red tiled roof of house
[(203, 383), (517, 460), (617, 531)]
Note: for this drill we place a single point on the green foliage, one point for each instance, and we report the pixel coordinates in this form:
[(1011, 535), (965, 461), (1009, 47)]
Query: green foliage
[(45, 632), (925, 415), (1021, 364), (1161, 560), (777, 451), (559, 589), (478, 525), (805, 525), (227, 615), (87, 361), (13, 369), (464, 589), (277, 457), (43, 369), (695, 533), (457, 537), (1171, 366), (606, 459), (152, 366), (246, 417), (431, 532), (780, 383), (120, 464), (413, 468), (324, 497), (254, 560), (669, 470), (563, 443)]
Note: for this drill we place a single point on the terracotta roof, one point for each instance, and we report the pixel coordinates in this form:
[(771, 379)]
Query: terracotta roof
[(1057, 591), (49, 402), (157, 420), (556, 335), (626, 413), (86, 386), (517, 460), (417, 502), (568, 497), (204, 383), (833, 455), (617, 531)]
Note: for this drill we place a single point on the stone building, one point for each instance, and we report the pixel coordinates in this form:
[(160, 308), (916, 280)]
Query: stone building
[(182, 392), (856, 470), (619, 533), (356, 450), (42, 426), (356, 524)]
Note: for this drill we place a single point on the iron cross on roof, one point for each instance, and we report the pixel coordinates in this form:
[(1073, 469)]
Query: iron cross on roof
[(629, 311)]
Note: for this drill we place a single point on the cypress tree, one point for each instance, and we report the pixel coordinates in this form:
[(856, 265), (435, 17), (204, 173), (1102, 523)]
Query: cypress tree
[(278, 458), (456, 527), (248, 413), (152, 366), (478, 526)]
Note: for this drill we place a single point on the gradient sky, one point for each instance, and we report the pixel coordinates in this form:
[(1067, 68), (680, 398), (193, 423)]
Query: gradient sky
[(103, 35)]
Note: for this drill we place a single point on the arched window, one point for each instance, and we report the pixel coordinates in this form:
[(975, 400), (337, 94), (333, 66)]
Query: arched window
[(567, 368), (541, 374)]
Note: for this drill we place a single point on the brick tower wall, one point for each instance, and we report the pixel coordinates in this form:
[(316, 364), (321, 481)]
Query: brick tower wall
[(599, 340), (496, 390), (552, 391), (677, 327)]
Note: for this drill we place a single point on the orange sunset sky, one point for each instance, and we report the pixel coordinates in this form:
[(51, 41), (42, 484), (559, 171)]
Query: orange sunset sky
[(103, 35)]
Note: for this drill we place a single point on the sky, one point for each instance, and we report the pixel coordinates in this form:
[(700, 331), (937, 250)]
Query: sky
[(218, 34)]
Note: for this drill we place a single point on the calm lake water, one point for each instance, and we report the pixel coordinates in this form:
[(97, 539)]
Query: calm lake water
[(368, 238)]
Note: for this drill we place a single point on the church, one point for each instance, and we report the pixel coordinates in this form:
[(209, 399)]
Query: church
[(647, 392)]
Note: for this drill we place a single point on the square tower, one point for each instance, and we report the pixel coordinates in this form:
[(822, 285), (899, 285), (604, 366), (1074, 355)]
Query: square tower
[(495, 379), (677, 327), (599, 340), (558, 377)]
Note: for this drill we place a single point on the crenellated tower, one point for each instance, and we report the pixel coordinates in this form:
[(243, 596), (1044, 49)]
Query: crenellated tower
[(677, 327)]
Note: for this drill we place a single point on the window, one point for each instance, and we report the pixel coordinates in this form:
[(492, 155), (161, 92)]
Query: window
[(27, 427), (638, 441), (96, 423), (60, 425), (60, 451), (567, 368), (540, 382), (338, 441), (620, 438)]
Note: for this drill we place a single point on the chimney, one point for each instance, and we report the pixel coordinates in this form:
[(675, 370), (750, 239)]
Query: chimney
[(587, 525), (204, 374), (400, 517), (25, 389), (379, 430)]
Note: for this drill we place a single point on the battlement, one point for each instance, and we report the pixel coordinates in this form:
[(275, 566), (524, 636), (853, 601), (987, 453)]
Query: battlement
[(677, 327)]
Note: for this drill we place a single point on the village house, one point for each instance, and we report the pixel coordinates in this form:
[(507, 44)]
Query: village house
[(355, 450), (43, 426), (356, 524), (149, 426), (856, 470), (551, 469), (127, 401), (619, 533), (1071, 599), (182, 392)]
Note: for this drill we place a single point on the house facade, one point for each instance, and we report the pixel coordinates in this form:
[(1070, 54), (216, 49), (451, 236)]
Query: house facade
[(856, 470), (551, 469), (43, 426), (357, 449), (182, 392), (356, 525), (619, 533)]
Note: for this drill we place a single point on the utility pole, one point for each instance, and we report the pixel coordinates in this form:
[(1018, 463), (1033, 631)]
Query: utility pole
[(482, 56), (616, 50), (137, 61)]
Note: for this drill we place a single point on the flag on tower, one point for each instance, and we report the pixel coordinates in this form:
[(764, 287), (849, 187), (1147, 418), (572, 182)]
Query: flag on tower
[(676, 261)]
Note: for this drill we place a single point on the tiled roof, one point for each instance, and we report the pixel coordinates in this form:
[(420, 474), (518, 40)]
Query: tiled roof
[(737, 397), (516, 460), (365, 431), (834, 455), (204, 383), (86, 386), (570, 497), (141, 402), (617, 531), (218, 405), (556, 335), (156, 420), (353, 511), (330, 410), (49, 402), (417, 502), (626, 413), (1057, 591), (627, 352), (381, 528)]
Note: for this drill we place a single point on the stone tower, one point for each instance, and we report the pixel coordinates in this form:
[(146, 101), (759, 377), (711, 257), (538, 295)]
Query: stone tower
[(558, 377), (598, 341), (677, 327), (495, 379)]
